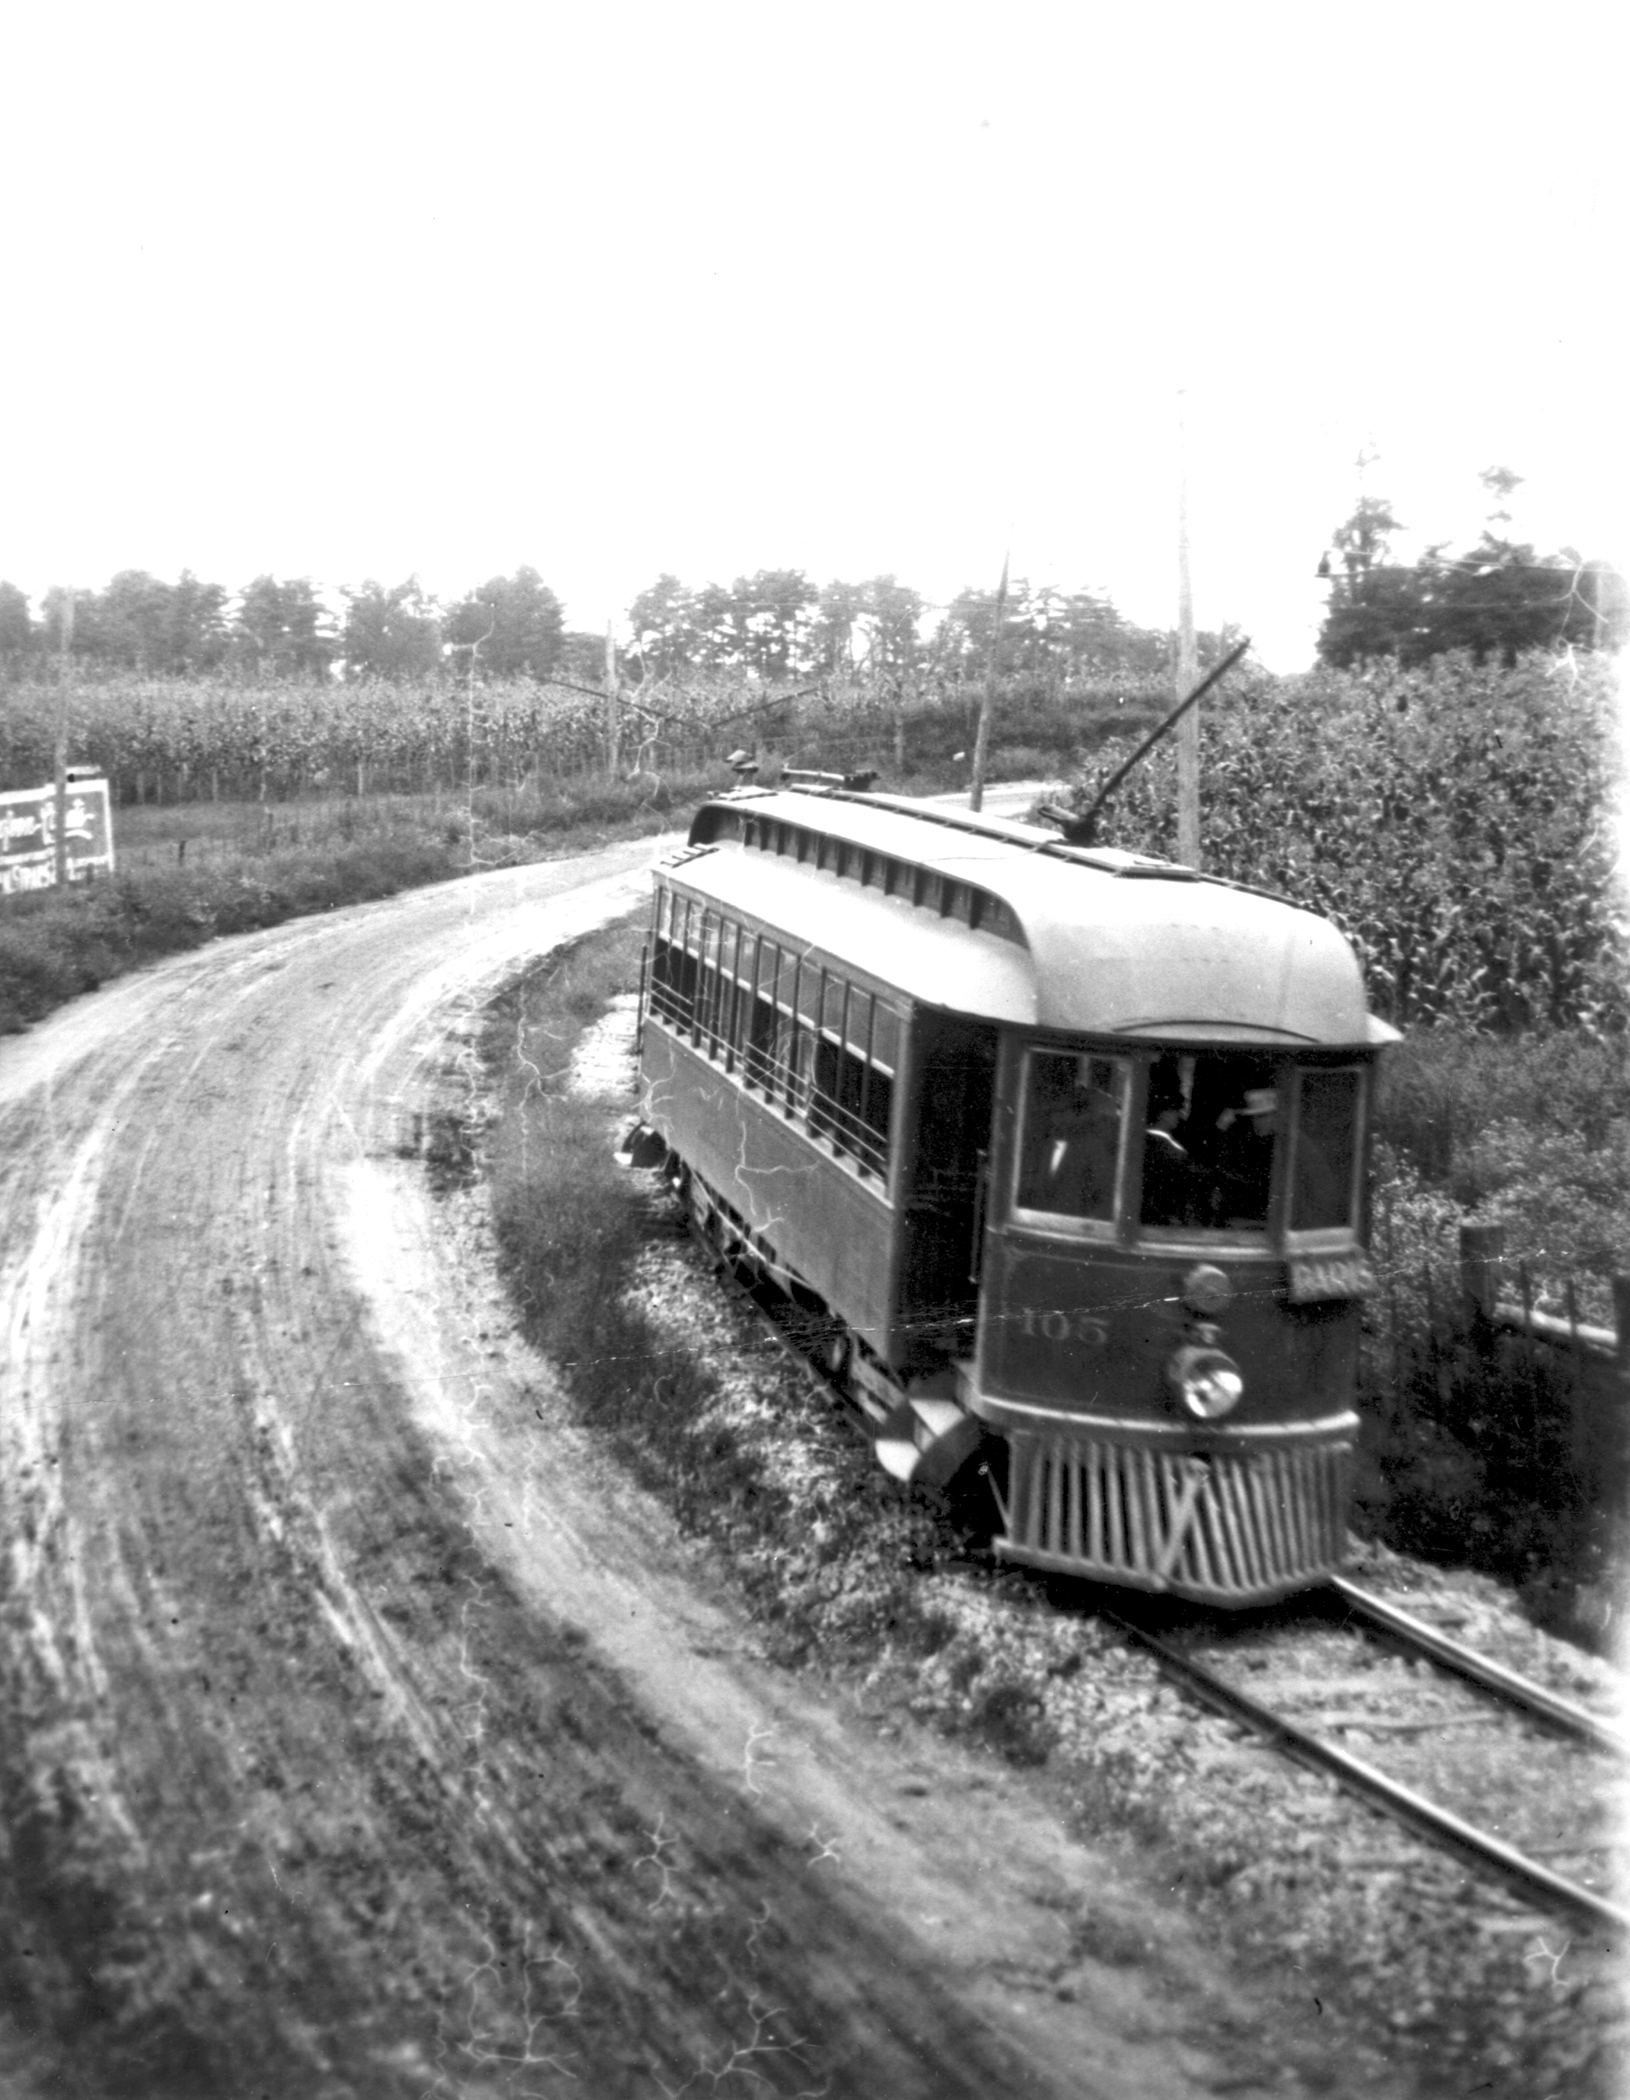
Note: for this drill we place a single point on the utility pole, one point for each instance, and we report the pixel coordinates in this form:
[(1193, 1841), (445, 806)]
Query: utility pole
[(613, 725), (981, 743), (1188, 671), (64, 687)]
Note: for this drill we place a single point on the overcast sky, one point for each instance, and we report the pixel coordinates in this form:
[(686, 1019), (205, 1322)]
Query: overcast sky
[(359, 291)]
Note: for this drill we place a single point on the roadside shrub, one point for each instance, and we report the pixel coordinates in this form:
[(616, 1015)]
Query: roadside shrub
[(1466, 1452), (543, 806), (1443, 1088), (1454, 821), (1564, 1203), (1036, 727), (1528, 1131)]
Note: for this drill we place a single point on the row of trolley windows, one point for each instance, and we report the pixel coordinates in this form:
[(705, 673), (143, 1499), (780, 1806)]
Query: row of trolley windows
[(787, 1025), (1212, 1127), (944, 895)]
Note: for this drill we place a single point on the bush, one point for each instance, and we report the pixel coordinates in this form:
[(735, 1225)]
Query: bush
[(1444, 1088), (1466, 1442), (1531, 1132), (1036, 728)]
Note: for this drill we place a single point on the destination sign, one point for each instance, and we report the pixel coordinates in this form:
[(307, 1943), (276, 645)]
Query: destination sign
[(1317, 1276)]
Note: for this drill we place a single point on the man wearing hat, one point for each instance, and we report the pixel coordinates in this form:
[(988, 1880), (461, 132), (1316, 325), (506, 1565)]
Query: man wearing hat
[(1243, 1159)]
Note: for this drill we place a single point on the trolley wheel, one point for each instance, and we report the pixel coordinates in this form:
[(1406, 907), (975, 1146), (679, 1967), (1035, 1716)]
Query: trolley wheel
[(700, 1213)]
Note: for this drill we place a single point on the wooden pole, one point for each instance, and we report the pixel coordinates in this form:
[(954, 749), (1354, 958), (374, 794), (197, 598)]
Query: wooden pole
[(981, 742), (64, 689), (613, 725), (1188, 671), (1481, 1250)]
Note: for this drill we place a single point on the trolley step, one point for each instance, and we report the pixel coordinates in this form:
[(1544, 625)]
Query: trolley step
[(926, 1439)]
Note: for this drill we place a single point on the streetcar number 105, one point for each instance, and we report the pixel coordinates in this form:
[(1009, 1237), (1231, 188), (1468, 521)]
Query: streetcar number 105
[(1054, 1324)]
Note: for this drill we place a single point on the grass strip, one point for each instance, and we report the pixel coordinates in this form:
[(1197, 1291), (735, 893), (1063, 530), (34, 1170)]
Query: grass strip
[(263, 866)]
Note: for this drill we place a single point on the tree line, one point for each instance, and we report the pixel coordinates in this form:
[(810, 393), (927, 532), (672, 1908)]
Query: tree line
[(776, 626), (283, 629), (1496, 599)]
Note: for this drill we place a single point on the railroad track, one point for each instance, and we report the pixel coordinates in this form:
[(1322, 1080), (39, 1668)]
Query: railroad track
[(1328, 1676), (1579, 1755)]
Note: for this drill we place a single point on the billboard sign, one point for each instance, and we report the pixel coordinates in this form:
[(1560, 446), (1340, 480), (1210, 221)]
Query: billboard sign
[(28, 836)]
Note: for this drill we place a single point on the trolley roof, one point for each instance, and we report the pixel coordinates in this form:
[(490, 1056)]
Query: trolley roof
[(1109, 943)]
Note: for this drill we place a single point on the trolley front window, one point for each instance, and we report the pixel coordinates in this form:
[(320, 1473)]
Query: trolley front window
[(1324, 1174), (1212, 1124), (1069, 1153)]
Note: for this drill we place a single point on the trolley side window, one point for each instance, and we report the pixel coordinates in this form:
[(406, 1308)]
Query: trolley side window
[(1069, 1152), (762, 1058), (853, 1096), (1324, 1168), (820, 1048), (673, 970), (708, 985), (726, 1046)]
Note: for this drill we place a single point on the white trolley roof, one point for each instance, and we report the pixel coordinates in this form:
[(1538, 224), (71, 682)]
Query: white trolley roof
[(1108, 943)]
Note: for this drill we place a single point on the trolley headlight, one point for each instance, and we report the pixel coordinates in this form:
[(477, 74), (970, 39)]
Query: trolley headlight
[(1206, 1290), (1207, 1383)]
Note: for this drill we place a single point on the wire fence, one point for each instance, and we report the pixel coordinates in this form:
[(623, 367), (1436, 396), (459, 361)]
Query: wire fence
[(1497, 1416)]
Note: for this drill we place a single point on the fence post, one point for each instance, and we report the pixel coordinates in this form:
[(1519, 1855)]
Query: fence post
[(1608, 1455), (1481, 1247)]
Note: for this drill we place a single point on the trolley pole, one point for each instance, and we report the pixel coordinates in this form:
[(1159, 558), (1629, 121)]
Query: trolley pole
[(613, 725), (64, 689), (1188, 671), (981, 743)]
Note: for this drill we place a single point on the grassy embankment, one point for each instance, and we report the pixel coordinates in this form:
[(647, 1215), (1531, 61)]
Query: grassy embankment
[(197, 869)]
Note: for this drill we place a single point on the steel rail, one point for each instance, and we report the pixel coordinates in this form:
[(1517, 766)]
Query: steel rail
[(1400, 1802), (1478, 1669)]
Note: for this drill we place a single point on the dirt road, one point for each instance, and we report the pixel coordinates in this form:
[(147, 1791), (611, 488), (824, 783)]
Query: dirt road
[(364, 1733)]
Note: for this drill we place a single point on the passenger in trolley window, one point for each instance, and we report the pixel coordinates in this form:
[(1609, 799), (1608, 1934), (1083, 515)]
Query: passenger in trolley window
[(1072, 1135), (1243, 1159), (1171, 1182)]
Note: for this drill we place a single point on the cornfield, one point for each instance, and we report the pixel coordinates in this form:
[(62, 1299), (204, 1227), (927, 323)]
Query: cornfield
[(166, 741), (1456, 822)]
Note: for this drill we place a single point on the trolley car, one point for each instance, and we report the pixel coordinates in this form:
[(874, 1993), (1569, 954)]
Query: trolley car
[(1063, 1146)]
